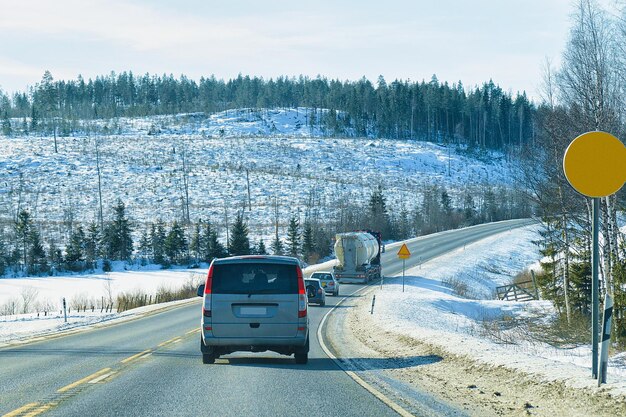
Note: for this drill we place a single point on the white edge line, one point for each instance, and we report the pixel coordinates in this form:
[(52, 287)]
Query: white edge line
[(382, 397)]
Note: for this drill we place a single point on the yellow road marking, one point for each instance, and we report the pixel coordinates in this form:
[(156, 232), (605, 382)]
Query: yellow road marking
[(21, 410), (85, 379), (130, 358), (193, 331), (41, 409), (172, 340)]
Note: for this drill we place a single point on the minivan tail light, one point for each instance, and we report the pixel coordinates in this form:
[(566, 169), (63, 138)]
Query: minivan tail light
[(302, 298), (206, 308)]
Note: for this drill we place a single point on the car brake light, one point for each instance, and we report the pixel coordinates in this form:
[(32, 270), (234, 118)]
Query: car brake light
[(302, 298), (206, 308), (319, 290)]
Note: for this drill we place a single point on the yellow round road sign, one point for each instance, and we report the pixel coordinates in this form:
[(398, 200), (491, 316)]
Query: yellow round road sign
[(595, 164)]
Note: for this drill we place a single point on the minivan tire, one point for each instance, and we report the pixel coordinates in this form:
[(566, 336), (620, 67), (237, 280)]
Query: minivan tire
[(208, 358), (302, 358)]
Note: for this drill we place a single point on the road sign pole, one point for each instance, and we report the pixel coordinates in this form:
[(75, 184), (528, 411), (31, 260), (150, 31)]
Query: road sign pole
[(595, 299), (606, 337), (403, 263), (64, 310)]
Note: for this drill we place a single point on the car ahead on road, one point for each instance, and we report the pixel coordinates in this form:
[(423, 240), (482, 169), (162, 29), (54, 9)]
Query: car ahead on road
[(254, 304), (329, 283), (315, 291)]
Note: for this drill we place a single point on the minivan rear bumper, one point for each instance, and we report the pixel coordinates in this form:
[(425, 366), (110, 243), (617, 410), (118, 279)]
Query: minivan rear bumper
[(298, 341)]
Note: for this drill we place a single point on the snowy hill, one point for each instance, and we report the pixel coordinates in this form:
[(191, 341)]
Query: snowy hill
[(141, 163)]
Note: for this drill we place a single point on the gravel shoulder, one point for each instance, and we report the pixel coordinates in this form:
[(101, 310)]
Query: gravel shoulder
[(427, 380)]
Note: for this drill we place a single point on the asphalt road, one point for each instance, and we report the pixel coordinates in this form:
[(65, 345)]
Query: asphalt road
[(152, 366)]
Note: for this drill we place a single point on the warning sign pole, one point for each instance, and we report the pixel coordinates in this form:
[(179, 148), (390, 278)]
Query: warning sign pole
[(404, 253), (403, 265)]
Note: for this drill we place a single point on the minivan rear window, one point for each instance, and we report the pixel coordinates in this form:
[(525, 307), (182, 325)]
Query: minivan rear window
[(254, 278)]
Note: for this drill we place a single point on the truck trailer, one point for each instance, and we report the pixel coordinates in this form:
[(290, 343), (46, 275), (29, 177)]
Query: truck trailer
[(358, 256)]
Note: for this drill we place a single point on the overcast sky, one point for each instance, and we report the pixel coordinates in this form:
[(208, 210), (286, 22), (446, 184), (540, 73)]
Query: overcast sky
[(471, 41)]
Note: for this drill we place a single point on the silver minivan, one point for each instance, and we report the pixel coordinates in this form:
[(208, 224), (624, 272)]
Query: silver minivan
[(254, 304)]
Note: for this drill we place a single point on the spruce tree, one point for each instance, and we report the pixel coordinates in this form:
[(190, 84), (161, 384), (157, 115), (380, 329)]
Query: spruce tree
[(157, 241), (75, 250), (293, 237), (92, 245), (23, 228), (307, 241), (195, 246), (277, 246), (215, 247), (239, 243), (176, 244), (145, 248), (3, 255), (117, 235), (260, 249), (36, 254), (378, 217)]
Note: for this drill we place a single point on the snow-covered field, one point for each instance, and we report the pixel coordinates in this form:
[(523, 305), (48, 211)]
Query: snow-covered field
[(430, 310), (47, 293), (286, 160)]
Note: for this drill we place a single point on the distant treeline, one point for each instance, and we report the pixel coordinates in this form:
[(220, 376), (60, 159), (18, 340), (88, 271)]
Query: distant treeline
[(25, 250), (485, 116)]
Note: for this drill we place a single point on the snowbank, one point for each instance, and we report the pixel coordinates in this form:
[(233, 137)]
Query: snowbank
[(430, 310)]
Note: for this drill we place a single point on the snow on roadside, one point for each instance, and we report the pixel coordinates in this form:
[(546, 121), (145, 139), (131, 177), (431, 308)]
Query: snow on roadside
[(91, 289), (47, 293), (430, 310)]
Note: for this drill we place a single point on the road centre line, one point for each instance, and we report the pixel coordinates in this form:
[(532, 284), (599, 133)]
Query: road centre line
[(21, 410), (130, 358), (41, 409), (35, 408), (82, 381)]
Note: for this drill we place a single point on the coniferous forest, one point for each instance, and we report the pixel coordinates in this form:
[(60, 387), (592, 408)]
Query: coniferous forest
[(485, 116)]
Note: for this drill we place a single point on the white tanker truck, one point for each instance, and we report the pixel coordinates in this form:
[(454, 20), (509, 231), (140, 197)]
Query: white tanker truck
[(358, 256)]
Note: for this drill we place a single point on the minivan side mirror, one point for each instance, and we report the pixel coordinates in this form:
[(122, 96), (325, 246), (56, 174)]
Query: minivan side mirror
[(201, 290)]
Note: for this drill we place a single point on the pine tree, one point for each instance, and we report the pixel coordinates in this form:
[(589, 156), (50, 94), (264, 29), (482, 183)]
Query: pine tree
[(277, 246), (206, 247), (23, 229), (293, 237), (378, 217), (196, 244), (157, 241), (4, 256), (239, 243), (145, 248), (117, 235), (6, 124), (260, 249), (307, 241), (36, 254), (75, 250), (92, 245), (216, 249), (176, 244)]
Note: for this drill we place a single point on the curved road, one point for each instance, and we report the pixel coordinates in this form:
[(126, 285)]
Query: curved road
[(152, 366)]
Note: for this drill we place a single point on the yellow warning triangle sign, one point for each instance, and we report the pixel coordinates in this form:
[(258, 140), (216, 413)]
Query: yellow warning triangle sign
[(404, 252)]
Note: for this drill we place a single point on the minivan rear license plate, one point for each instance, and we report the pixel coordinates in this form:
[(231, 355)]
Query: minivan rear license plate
[(253, 311)]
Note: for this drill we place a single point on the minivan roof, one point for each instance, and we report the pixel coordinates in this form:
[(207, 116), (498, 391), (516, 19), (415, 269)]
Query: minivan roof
[(259, 258)]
